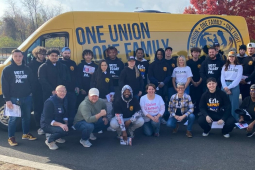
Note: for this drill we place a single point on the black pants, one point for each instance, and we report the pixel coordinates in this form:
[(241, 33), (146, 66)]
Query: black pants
[(55, 131), (195, 94), (228, 127), (245, 90)]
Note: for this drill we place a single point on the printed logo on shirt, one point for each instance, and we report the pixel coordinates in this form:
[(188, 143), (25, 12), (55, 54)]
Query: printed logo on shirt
[(250, 63), (199, 66), (20, 75), (59, 110), (142, 70), (211, 68), (113, 68), (131, 108), (173, 65), (165, 68), (213, 104), (107, 80), (72, 68)]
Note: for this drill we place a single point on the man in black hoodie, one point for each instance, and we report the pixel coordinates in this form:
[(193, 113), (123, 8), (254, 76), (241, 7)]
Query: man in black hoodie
[(242, 53), (39, 54), (211, 67), (72, 86), (219, 54), (86, 69), (17, 88), (52, 73), (215, 106)]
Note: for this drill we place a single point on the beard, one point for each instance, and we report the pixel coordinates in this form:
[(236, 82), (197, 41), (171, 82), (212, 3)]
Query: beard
[(127, 98)]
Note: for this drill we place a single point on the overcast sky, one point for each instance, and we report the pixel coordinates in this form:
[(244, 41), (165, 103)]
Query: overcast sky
[(173, 6)]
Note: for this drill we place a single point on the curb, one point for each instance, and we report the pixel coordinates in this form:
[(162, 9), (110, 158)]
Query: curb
[(31, 164)]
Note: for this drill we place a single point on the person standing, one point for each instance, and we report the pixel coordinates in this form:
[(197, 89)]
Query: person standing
[(54, 121), (17, 88), (52, 73), (242, 53), (196, 89), (85, 71), (248, 71), (231, 75), (143, 65), (219, 54), (131, 76), (182, 74), (39, 54), (153, 108), (72, 86)]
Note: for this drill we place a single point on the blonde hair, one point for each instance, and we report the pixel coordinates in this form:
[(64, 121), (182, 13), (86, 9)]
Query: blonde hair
[(181, 56)]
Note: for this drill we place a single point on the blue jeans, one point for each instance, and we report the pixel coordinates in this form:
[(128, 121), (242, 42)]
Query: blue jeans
[(234, 99), (55, 131), (171, 91), (88, 128), (172, 121), (25, 104), (71, 98), (151, 127)]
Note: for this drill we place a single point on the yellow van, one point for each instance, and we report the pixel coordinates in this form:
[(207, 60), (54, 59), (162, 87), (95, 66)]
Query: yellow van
[(128, 31)]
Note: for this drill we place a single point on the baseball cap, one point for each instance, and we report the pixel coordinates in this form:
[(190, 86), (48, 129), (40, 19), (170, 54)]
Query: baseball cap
[(65, 49), (232, 53), (93, 92), (131, 58), (251, 45), (216, 44), (252, 86)]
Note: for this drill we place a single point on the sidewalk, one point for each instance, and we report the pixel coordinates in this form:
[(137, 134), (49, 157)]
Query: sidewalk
[(11, 163)]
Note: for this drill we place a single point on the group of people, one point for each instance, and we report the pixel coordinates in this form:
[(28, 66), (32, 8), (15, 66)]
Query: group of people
[(92, 97)]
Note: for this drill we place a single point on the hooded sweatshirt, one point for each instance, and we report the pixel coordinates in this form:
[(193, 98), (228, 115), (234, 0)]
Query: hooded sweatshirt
[(17, 81), (84, 77), (240, 59), (143, 67), (127, 107), (249, 68), (159, 71), (216, 105), (115, 66), (211, 68), (172, 64), (128, 77)]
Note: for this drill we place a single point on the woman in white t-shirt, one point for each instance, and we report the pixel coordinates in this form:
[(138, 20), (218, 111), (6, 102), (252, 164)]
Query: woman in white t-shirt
[(182, 74), (153, 108), (231, 75)]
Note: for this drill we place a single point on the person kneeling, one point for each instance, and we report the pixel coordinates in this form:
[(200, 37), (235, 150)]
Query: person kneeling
[(54, 118), (181, 109), (91, 117), (215, 106), (247, 111), (127, 113)]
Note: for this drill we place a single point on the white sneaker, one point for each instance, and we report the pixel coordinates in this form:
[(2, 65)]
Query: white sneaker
[(40, 131), (205, 134), (100, 131), (186, 123), (92, 137), (226, 135), (60, 140), (52, 145), (111, 129), (85, 143), (163, 121)]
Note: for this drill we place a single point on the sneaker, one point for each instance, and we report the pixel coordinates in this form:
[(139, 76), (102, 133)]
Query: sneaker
[(60, 140), (189, 134), (131, 133), (85, 143), (250, 134), (40, 131), (163, 121), (111, 129), (226, 135), (176, 128), (205, 134), (52, 145), (100, 131), (12, 141), (186, 123), (156, 134), (92, 137), (28, 136)]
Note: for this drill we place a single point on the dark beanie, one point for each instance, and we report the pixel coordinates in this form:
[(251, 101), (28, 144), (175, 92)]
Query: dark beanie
[(243, 47)]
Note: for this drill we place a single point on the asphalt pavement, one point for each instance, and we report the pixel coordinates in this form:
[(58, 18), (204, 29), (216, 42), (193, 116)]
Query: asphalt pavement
[(169, 151)]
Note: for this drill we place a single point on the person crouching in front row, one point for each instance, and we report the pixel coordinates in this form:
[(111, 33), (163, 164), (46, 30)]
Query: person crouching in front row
[(55, 117)]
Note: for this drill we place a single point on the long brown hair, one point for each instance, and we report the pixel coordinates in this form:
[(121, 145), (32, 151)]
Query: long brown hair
[(228, 63)]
